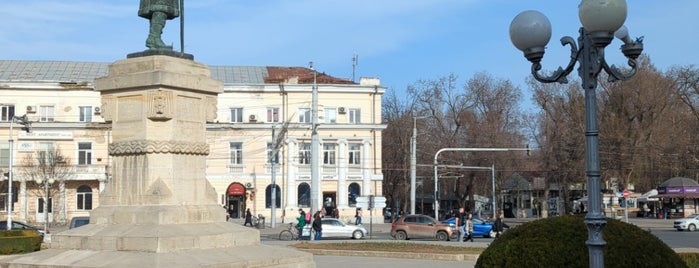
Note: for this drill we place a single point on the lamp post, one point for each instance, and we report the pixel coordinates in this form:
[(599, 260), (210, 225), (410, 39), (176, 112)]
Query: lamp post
[(47, 187), (413, 162), (23, 120), (530, 31)]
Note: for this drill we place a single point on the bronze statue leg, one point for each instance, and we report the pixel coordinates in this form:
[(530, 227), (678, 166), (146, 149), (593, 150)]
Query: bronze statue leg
[(157, 23)]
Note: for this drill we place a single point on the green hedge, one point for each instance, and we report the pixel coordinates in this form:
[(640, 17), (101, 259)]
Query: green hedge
[(560, 242), (19, 241)]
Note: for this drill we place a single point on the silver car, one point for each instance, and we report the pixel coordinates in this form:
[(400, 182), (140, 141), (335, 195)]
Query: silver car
[(335, 228), (689, 223)]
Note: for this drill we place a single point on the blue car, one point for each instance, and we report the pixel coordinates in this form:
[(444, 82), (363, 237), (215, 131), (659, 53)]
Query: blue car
[(480, 227)]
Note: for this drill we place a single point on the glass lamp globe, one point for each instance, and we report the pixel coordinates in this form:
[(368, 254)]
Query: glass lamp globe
[(602, 15), (530, 29)]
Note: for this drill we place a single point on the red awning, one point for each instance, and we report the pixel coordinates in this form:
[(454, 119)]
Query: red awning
[(236, 189)]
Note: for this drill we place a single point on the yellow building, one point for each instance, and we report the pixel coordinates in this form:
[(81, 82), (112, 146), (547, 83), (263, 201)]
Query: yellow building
[(261, 107)]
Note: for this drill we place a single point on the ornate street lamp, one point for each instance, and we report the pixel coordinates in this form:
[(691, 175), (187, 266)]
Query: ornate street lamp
[(530, 31), (47, 187)]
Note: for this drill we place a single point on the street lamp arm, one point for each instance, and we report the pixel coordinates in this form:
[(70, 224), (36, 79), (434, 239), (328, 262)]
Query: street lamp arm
[(561, 74)]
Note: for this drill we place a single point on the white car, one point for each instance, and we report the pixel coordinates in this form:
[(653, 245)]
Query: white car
[(689, 223), (335, 228)]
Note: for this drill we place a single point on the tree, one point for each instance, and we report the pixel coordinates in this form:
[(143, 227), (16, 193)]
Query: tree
[(45, 168)]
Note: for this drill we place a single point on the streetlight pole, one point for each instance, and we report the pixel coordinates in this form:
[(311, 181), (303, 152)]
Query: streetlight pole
[(28, 126), (436, 176), (530, 31), (47, 188), (413, 163)]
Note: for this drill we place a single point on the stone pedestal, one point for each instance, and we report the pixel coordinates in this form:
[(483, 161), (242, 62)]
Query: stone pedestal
[(159, 210)]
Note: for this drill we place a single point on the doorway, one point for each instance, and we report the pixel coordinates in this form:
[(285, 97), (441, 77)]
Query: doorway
[(330, 204), (236, 200)]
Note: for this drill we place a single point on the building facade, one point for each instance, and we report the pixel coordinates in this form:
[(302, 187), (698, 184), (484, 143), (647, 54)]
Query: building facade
[(262, 110)]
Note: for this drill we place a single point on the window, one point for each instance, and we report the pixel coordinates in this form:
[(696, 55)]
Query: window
[(355, 116), (84, 153), (353, 193), (41, 205), (329, 154), (270, 154), (46, 113), (354, 153), (3, 197), (330, 115), (268, 196), (304, 195), (84, 197), (236, 115), (272, 114), (6, 112), (305, 115), (304, 153), (45, 151), (85, 113), (236, 153), (4, 155)]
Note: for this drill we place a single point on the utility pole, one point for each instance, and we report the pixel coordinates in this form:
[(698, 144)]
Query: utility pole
[(273, 162), (315, 144)]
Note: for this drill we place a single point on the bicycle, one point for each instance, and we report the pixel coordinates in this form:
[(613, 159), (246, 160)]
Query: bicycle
[(291, 233)]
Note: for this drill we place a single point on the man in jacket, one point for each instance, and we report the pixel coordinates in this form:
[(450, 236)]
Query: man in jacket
[(158, 11)]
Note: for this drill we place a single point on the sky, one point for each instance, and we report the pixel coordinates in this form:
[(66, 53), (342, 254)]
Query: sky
[(398, 41)]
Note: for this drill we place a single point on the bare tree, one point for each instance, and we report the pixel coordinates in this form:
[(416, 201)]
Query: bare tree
[(46, 169)]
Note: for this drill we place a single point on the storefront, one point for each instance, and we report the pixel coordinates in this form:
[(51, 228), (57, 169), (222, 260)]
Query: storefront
[(236, 200), (679, 197)]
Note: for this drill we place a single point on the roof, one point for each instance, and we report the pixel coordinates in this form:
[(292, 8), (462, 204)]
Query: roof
[(73, 71), (679, 181)]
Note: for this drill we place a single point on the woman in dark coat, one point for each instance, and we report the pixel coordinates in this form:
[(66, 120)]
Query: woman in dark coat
[(317, 226), (248, 218)]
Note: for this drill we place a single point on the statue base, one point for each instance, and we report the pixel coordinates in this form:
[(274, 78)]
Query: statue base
[(162, 52)]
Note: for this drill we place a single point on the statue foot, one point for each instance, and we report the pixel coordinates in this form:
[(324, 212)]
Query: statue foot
[(155, 43)]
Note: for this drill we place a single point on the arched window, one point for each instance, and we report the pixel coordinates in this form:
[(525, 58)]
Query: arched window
[(84, 197), (353, 192), (304, 195), (268, 196)]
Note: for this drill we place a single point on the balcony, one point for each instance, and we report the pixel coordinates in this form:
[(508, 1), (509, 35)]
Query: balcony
[(236, 169)]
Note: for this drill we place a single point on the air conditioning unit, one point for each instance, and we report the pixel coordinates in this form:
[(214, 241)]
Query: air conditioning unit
[(98, 110), (249, 185), (253, 118), (31, 109), (342, 110)]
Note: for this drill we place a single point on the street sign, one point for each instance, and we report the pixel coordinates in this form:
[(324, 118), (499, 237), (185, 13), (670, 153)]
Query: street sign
[(626, 193), (371, 202)]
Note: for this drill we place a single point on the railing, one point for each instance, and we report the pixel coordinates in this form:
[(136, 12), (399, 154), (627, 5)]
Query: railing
[(236, 169)]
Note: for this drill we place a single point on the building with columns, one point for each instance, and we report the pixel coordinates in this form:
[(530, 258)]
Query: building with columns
[(260, 110)]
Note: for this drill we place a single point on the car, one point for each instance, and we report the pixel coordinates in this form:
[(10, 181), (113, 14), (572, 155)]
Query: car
[(480, 227), (17, 225), (420, 226), (335, 228), (689, 223), (76, 222)]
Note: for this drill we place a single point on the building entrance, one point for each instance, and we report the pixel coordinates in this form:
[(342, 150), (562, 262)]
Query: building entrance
[(236, 200)]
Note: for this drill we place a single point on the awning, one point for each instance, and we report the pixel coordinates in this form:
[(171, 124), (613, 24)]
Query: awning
[(649, 196), (686, 195)]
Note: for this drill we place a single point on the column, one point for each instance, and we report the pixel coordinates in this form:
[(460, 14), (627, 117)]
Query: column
[(366, 169)]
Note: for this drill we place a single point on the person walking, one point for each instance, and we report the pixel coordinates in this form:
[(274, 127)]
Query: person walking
[(358, 216), (317, 226), (499, 225), (301, 222), (248, 218), (460, 221), (468, 228)]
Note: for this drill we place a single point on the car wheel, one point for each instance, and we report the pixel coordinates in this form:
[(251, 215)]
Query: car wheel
[(491, 234), (357, 234), (692, 228), (442, 236), (401, 235)]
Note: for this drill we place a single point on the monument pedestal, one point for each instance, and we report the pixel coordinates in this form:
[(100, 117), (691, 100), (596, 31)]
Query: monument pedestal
[(159, 210)]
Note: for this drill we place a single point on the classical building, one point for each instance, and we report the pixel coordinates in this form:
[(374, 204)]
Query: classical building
[(260, 110)]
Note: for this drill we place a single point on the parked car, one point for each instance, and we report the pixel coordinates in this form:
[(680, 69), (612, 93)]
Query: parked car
[(335, 228), (76, 222), (689, 223), (420, 226), (17, 225), (480, 227)]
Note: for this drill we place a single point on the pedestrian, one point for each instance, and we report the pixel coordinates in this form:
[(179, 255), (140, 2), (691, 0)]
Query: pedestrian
[(317, 226), (499, 225), (248, 218), (336, 213), (358, 216), (460, 221), (301, 222), (468, 228)]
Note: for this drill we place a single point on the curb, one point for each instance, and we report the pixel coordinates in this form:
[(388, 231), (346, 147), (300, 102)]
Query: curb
[(397, 255)]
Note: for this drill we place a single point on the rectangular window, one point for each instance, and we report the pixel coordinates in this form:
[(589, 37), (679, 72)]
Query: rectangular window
[(272, 114), (355, 116), (85, 201), (6, 112), (46, 113), (355, 153), (45, 150), (236, 115), (41, 205), (329, 154), (236, 153), (85, 113), (330, 115), (84, 153), (4, 155), (304, 153), (270, 154), (304, 115)]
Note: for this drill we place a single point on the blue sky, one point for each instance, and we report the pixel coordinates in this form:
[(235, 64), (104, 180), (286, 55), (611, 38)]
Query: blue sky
[(399, 41)]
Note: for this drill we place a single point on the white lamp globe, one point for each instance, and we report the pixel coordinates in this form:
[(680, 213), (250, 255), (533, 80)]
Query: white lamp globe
[(530, 29), (602, 15)]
